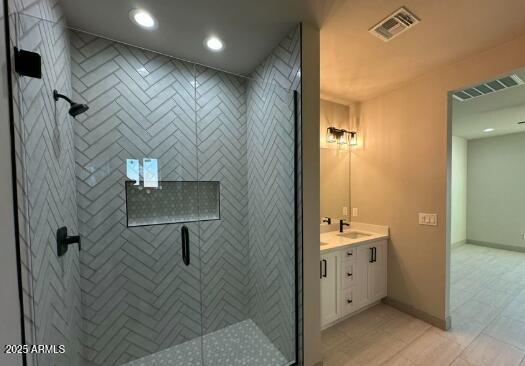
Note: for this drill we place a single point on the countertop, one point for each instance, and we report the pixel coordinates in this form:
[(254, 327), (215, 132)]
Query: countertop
[(334, 240)]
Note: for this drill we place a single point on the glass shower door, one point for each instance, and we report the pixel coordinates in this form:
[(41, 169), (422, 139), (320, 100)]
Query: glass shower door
[(246, 142), (122, 175), (136, 156)]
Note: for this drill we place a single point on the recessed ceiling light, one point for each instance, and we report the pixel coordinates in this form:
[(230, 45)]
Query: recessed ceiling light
[(143, 19), (488, 130), (214, 44)]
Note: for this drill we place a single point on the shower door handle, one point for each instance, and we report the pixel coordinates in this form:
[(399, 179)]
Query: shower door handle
[(185, 235)]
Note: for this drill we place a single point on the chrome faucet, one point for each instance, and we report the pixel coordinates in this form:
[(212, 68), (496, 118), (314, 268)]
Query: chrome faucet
[(328, 220), (341, 224)]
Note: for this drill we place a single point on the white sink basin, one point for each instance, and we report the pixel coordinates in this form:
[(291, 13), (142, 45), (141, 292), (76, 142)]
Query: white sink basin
[(354, 235)]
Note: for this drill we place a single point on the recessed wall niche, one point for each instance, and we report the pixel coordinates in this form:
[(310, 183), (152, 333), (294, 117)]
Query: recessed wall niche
[(172, 202)]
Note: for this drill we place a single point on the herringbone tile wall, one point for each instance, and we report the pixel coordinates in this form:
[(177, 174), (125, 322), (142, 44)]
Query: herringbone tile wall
[(46, 186), (137, 296), (221, 132), (271, 203)]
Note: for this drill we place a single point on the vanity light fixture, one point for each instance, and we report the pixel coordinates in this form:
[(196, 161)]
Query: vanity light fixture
[(342, 137)]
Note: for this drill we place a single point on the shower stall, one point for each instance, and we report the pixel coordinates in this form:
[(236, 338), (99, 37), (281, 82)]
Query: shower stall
[(182, 183)]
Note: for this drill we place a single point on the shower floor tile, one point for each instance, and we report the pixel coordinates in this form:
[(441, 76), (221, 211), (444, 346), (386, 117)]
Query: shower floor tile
[(239, 344)]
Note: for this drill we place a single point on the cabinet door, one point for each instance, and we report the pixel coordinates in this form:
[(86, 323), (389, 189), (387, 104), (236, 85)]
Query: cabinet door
[(360, 274), (377, 286), (330, 306)]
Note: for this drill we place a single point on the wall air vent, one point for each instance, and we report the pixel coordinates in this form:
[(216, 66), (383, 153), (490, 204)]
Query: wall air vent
[(488, 87), (395, 24)]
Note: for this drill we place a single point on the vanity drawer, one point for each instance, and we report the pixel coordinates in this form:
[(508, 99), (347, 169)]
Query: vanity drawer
[(348, 301), (348, 254), (347, 274)]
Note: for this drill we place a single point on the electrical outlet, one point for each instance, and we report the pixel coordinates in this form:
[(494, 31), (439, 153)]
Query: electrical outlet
[(354, 212), (428, 219)]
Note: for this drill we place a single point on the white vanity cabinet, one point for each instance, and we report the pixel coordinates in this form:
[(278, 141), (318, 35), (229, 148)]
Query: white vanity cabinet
[(351, 278)]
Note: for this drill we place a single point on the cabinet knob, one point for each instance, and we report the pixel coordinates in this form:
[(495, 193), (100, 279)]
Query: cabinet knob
[(349, 274), (348, 301), (349, 254)]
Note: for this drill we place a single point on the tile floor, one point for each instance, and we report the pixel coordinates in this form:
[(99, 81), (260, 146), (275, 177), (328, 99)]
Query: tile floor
[(487, 303), (240, 344)]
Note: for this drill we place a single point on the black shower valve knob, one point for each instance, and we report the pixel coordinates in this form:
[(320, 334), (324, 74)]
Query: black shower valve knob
[(63, 241)]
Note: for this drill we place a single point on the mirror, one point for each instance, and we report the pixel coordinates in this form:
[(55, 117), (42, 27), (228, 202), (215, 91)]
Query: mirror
[(335, 163)]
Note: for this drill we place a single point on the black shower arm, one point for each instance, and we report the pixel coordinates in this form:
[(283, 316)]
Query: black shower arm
[(57, 96)]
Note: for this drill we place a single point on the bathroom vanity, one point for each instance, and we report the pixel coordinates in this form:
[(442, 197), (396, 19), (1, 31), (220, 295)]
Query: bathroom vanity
[(353, 270)]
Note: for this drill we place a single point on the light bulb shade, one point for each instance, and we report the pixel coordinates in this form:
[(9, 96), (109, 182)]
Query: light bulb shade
[(331, 133), (342, 138), (353, 138)]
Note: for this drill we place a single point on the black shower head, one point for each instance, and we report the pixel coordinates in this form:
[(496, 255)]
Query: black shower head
[(75, 108)]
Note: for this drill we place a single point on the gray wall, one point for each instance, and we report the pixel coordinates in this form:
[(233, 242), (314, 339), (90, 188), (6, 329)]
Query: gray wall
[(138, 298), (10, 332), (46, 186), (310, 111), (271, 193), (495, 193)]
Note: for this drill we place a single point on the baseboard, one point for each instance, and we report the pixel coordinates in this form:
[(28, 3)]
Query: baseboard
[(437, 322), (497, 246), (458, 243)]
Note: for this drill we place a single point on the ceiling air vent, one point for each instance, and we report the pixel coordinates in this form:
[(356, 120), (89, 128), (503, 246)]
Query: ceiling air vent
[(488, 87), (395, 24)]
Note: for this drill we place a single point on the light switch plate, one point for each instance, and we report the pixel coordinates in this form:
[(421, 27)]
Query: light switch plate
[(345, 211), (354, 211), (428, 219)]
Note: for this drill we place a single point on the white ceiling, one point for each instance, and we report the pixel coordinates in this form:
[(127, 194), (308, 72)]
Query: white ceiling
[(354, 64), (499, 110), (250, 29), (357, 66)]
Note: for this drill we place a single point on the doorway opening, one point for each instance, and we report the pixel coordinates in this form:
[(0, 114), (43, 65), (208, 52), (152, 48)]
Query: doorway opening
[(486, 198)]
